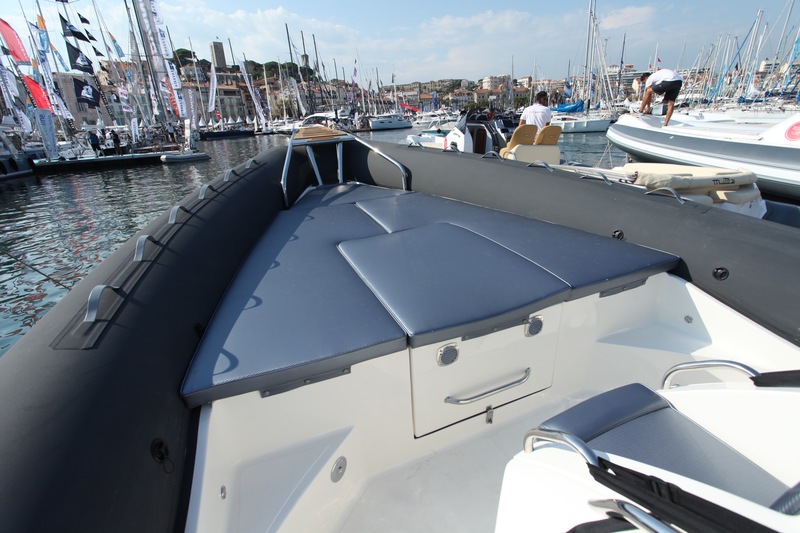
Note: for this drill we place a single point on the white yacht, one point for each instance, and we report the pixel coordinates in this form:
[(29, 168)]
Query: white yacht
[(389, 121)]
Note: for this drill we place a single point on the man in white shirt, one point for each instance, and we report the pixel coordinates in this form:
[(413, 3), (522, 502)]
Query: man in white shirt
[(664, 81), (538, 113)]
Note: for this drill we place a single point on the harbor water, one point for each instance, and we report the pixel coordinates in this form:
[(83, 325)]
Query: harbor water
[(55, 229)]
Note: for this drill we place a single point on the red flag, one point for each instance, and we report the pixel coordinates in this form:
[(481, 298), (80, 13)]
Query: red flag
[(14, 43), (40, 98)]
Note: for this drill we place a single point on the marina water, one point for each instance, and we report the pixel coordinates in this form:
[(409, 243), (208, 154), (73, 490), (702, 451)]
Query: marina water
[(54, 229)]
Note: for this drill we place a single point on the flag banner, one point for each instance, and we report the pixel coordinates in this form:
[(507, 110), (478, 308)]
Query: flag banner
[(61, 108), (47, 77), (71, 31), (84, 19), (22, 119), (172, 72), (180, 103), (40, 37), (85, 93), (44, 123), (259, 111), (164, 86), (192, 109), (9, 82), (90, 36), (173, 102), (78, 59), (59, 57), (15, 47), (155, 10), (135, 129), (116, 46), (123, 93), (126, 108), (163, 43), (97, 52), (153, 95), (212, 90), (38, 94)]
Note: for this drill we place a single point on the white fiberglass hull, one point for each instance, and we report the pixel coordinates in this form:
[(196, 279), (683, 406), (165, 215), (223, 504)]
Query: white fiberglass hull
[(390, 123), (571, 124), (771, 153)]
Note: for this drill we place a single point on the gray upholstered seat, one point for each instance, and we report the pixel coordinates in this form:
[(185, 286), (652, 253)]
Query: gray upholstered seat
[(635, 422), (588, 263), (352, 272), (442, 281)]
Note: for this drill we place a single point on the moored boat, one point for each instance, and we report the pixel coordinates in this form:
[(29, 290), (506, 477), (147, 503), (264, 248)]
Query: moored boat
[(86, 162), (226, 133), (771, 151), (388, 121), (583, 123), (184, 157), (13, 162), (371, 349)]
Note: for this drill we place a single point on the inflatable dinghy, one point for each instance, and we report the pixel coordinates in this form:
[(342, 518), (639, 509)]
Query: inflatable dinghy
[(339, 336)]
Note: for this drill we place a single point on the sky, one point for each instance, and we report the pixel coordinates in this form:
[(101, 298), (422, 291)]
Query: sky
[(423, 40)]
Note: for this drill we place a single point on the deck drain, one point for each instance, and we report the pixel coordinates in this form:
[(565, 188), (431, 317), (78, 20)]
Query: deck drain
[(337, 472)]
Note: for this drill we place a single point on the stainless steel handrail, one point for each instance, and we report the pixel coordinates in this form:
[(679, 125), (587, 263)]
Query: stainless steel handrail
[(395, 162), (711, 363), (310, 153), (481, 396), (339, 154), (633, 514), (560, 437)]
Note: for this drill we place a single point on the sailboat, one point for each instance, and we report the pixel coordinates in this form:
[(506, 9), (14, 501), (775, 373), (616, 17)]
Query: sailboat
[(583, 118)]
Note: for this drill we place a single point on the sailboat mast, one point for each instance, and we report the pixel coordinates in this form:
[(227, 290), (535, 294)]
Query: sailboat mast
[(150, 55), (147, 111), (319, 83), (312, 101), (621, 67), (291, 61), (197, 78), (586, 81)]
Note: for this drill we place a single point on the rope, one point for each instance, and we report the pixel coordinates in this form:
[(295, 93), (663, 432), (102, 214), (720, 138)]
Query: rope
[(46, 276)]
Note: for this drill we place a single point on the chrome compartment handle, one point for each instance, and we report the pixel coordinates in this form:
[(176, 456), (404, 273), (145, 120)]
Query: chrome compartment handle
[(481, 396)]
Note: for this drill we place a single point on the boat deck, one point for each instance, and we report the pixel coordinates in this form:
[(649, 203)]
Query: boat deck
[(373, 270)]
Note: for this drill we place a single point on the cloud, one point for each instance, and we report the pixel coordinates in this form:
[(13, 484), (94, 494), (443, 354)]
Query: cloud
[(628, 17)]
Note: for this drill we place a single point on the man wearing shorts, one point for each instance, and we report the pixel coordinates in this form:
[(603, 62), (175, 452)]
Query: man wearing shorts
[(664, 81)]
